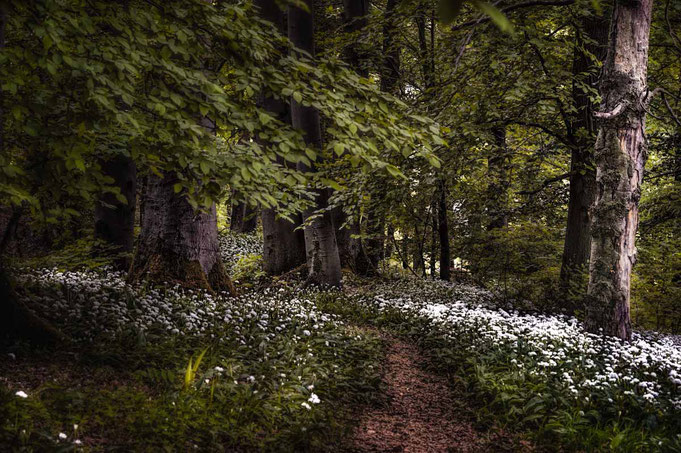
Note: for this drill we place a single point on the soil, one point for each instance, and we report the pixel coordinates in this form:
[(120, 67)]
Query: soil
[(423, 414)]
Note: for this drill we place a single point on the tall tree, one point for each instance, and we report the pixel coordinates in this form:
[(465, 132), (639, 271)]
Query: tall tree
[(355, 18), (620, 155), (284, 244), (591, 39), (443, 229), (498, 185), (114, 216), (323, 260), (244, 217), (390, 67), (178, 243)]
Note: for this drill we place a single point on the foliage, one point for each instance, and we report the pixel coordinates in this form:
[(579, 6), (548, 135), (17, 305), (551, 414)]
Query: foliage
[(264, 371), (92, 79), (537, 373)]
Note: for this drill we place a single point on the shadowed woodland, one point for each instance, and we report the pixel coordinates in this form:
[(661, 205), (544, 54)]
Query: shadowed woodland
[(357, 226)]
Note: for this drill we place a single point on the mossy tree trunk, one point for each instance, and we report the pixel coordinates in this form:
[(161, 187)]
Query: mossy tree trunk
[(114, 219), (323, 260), (283, 243), (590, 42), (178, 244), (620, 155)]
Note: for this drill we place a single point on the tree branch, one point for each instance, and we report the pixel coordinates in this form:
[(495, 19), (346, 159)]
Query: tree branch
[(508, 9), (545, 184), (619, 108)]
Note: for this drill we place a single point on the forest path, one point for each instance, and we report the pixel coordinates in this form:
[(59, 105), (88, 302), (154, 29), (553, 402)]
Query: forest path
[(422, 413)]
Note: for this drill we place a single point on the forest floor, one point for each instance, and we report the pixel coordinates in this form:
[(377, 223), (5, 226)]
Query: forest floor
[(391, 364), (422, 414)]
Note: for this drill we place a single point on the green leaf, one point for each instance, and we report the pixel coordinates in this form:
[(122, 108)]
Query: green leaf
[(177, 187), (339, 148), (495, 14), (297, 97)]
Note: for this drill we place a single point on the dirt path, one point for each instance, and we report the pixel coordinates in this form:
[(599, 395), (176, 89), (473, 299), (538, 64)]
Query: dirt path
[(422, 415)]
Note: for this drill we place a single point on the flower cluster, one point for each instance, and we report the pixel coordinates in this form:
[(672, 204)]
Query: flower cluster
[(235, 246), (554, 349)]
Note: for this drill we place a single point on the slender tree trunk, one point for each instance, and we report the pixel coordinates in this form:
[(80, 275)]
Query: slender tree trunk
[(433, 235), (620, 158), (355, 14), (244, 218), (115, 220), (323, 260), (497, 189), (284, 245), (443, 229), (390, 72), (592, 40), (405, 252), (348, 247)]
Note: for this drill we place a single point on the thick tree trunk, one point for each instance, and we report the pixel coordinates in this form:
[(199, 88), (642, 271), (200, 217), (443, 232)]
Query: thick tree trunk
[(177, 244), (16, 320), (284, 245), (115, 220), (620, 158), (323, 260), (443, 229), (592, 40), (244, 218), (497, 189)]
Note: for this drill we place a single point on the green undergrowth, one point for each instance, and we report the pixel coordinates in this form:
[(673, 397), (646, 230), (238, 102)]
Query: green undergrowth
[(249, 391), (504, 399)]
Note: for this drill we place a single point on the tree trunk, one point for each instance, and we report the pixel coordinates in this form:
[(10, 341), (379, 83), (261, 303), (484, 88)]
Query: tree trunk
[(355, 14), (284, 245), (323, 260), (348, 247), (390, 74), (16, 319), (592, 40), (433, 234), (178, 244), (244, 218), (115, 220), (443, 229), (620, 158), (497, 189)]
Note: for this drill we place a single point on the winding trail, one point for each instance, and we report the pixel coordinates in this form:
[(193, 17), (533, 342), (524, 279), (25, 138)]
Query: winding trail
[(422, 414)]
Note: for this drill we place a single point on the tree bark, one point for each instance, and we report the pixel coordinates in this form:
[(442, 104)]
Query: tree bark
[(497, 189), (354, 22), (244, 218), (284, 245), (177, 243), (591, 40), (443, 229), (390, 73), (115, 220), (620, 155), (323, 260)]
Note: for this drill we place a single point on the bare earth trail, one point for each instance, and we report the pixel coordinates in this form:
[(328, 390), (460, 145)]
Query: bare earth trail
[(422, 414)]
